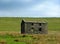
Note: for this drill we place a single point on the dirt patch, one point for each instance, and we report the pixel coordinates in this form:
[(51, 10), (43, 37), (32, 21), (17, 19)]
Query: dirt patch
[(3, 42), (9, 32)]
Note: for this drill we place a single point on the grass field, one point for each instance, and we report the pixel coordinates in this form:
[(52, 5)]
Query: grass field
[(17, 38), (10, 31), (14, 24)]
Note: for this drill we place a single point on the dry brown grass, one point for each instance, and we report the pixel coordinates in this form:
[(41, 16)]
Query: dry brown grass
[(3, 42), (52, 37)]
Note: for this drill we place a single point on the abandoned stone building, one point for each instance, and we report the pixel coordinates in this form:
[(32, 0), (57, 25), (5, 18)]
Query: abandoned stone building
[(33, 27)]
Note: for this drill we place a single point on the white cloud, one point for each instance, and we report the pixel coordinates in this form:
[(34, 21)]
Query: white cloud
[(17, 0), (26, 0), (45, 9)]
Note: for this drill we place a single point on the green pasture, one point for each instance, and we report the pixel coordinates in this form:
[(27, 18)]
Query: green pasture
[(14, 23), (30, 39)]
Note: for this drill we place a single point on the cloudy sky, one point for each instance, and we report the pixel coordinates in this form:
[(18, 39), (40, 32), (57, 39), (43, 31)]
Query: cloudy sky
[(29, 8)]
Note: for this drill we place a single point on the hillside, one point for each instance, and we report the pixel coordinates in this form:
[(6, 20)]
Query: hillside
[(14, 23)]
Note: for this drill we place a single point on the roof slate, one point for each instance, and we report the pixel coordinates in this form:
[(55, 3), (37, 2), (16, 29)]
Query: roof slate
[(34, 21)]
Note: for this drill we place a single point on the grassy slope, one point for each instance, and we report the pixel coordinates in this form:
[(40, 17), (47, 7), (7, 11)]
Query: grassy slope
[(31, 39), (9, 24), (14, 24)]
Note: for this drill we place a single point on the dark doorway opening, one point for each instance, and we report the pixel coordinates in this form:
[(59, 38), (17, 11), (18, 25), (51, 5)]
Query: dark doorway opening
[(40, 29), (39, 24), (32, 24)]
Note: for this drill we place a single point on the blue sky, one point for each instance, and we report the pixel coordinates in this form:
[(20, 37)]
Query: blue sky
[(29, 8)]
